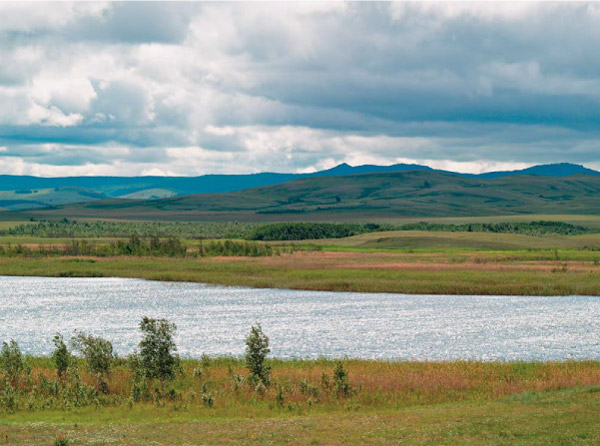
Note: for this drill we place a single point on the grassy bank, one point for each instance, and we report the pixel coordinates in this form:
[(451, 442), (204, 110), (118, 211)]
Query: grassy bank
[(389, 402), (516, 273), (552, 418)]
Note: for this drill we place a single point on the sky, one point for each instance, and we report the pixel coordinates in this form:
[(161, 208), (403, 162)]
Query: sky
[(198, 88)]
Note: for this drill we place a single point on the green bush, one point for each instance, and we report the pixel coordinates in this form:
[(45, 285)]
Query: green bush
[(12, 362), (98, 354), (157, 350), (340, 380), (61, 356), (257, 349)]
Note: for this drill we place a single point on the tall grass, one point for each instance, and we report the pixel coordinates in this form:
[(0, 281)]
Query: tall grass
[(304, 384)]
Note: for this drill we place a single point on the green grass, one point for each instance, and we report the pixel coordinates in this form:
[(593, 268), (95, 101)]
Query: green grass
[(450, 403), (397, 261), (28, 198), (589, 220), (456, 241), (561, 417), (11, 224), (264, 273)]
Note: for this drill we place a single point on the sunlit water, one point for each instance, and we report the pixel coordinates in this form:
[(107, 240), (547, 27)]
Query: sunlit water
[(303, 324)]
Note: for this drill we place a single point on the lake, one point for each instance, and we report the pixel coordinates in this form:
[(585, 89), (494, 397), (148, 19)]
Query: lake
[(302, 324)]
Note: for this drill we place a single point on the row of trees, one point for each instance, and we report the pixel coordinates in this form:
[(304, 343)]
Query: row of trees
[(307, 231), (134, 246), (530, 228), (67, 228), (148, 247)]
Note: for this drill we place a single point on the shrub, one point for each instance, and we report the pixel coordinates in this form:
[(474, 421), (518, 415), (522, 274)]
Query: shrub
[(61, 355), (340, 380), (257, 349), (157, 350), (279, 398), (12, 362), (61, 440), (98, 354), (208, 400), (8, 398)]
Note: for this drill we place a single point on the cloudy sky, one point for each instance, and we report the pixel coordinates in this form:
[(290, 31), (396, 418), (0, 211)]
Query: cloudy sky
[(196, 88)]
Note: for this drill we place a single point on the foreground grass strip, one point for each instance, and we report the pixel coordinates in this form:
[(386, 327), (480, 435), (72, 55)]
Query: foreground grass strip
[(548, 418)]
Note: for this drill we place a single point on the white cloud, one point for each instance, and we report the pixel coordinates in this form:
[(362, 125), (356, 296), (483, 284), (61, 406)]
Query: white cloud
[(66, 92), (30, 17), (219, 87), (52, 116)]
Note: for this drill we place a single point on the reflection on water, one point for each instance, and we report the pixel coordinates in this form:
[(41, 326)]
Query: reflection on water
[(307, 324)]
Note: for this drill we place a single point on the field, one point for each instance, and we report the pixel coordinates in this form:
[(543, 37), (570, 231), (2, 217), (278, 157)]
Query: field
[(434, 262), (389, 403), (552, 418)]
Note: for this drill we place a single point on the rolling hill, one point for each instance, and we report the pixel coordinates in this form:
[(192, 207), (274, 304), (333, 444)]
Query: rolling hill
[(549, 170), (15, 190), (415, 193)]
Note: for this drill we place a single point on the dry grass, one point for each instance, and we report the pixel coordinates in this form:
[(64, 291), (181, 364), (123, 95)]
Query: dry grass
[(375, 384), (491, 273), (391, 403)]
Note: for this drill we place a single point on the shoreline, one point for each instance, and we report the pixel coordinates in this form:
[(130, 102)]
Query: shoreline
[(335, 273)]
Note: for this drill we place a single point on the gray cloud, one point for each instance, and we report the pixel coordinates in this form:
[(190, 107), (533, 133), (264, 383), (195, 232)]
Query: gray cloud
[(192, 88)]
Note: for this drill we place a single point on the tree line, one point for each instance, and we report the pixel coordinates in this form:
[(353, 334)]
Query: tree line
[(307, 231), (148, 247), (284, 231), (67, 228)]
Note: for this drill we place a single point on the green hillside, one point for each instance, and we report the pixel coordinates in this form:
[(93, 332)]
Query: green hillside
[(150, 194), (36, 198), (382, 195), (27, 192)]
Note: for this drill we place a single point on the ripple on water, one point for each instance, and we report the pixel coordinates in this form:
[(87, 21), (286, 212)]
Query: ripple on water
[(307, 324)]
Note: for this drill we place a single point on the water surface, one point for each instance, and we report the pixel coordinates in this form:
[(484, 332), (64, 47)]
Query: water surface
[(307, 324)]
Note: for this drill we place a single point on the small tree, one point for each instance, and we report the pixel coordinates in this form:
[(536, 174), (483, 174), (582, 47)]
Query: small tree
[(61, 355), (98, 354), (12, 362), (340, 380), (257, 349), (157, 350)]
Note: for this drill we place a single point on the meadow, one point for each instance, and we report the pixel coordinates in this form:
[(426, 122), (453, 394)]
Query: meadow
[(434, 261), (386, 402)]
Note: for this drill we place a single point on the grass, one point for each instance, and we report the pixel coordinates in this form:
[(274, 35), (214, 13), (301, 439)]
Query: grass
[(554, 418), (456, 241), (407, 273), (417, 262), (391, 402)]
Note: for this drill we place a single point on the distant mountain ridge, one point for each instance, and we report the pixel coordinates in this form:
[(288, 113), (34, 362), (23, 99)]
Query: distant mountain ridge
[(366, 196), (549, 170), (23, 192)]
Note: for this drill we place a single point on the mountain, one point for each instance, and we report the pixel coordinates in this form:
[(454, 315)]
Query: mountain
[(549, 170), (414, 193), (346, 169), (151, 187)]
